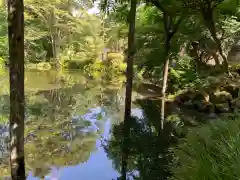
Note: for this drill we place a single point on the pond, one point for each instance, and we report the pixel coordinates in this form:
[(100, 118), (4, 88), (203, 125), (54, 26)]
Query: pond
[(68, 119)]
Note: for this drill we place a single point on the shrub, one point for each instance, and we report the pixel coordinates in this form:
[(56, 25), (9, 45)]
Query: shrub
[(115, 64), (95, 70), (210, 152), (114, 56), (182, 75), (31, 66), (2, 65), (43, 66), (72, 64), (39, 66)]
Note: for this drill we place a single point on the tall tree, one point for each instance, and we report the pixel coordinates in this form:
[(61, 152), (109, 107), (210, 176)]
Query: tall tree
[(207, 8), (171, 22), (129, 76), (169, 29), (16, 73)]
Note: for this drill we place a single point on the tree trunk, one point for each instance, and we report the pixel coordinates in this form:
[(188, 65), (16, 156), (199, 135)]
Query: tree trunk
[(163, 93), (55, 36), (170, 29), (167, 24), (209, 22), (16, 73), (128, 95)]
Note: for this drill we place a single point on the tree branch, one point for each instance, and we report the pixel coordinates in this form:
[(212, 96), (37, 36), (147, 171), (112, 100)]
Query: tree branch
[(216, 4), (176, 26), (158, 5)]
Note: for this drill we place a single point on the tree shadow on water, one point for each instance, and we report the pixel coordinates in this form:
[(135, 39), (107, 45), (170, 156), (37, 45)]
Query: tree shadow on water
[(149, 152)]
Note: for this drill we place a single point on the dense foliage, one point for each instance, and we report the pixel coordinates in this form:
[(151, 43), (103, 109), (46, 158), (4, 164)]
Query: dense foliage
[(196, 42), (61, 33), (209, 152), (200, 41)]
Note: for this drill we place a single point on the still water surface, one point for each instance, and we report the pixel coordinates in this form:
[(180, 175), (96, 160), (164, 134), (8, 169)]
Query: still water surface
[(68, 117)]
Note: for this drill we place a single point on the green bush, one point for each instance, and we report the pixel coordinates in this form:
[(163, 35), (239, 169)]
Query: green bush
[(72, 64), (182, 74), (110, 69), (2, 62), (39, 66), (95, 70), (3, 119), (43, 66), (211, 152), (114, 56), (31, 66), (115, 64)]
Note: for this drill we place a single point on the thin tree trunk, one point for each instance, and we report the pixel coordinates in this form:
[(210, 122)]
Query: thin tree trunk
[(53, 34), (16, 73), (128, 95), (167, 24), (209, 22), (164, 87), (170, 29), (55, 38)]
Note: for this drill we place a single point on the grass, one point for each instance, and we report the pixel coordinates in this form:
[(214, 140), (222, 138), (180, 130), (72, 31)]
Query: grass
[(211, 152)]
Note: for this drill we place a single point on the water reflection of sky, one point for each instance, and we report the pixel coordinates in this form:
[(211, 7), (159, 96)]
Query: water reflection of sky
[(98, 166)]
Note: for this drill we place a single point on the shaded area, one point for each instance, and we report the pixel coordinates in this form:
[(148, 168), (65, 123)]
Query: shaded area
[(150, 155)]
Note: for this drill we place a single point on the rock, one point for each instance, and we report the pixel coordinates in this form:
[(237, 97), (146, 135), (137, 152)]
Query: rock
[(220, 97), (184, 97), (188, 104), (237, 70), (203, 106), (212, 116), (199, 96), (222, 108), (209, 108), (236, 104), (233, 90)]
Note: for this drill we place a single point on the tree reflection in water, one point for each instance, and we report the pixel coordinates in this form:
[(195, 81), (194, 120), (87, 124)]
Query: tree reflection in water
[(150, 154), (55, 139)]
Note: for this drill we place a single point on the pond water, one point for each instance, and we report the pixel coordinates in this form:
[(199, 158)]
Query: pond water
[(68, 119)]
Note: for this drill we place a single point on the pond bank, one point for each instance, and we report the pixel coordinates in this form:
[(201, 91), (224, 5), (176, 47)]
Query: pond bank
[(213, 98)]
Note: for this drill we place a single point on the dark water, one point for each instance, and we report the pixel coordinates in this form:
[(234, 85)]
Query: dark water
[(68, 119)]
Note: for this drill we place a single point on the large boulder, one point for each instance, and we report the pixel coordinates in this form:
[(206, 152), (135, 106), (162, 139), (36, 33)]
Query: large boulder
[(201, 96), (236, 104), (232, 89), (185, 97), (220, 97), (222, 108), (202, 106)]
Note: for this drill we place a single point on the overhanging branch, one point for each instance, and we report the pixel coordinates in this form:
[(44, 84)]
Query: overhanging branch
[(158, 5)]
